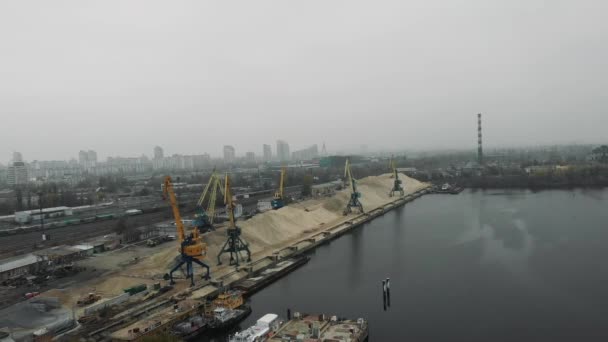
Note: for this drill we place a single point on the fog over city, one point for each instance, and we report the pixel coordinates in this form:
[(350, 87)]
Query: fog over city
[(191, 76)]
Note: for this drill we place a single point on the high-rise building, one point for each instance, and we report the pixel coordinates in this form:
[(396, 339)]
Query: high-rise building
[(17, 157), (158, 152), (306, 154), (83, 157), (267, 152), (282, 150), (250, 157), (229, 154), (479, 145), (92, 157), (16, 173)]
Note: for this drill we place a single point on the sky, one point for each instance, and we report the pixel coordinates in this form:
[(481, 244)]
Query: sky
[(121, 77)]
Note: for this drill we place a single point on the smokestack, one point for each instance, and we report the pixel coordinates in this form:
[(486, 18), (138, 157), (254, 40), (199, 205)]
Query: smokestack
[(479, 145)]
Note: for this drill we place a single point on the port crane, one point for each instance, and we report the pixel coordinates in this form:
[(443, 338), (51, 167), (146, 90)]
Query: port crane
[(353, 202), (192, 249), (234, 245), (203, 219), (396, 181), (278, 201)]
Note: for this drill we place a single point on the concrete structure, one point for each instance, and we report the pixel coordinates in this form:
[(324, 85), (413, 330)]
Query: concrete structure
[(282, 150), (267, 152), (250, 157), (229, 154), (158, 152), (309, 153), (19, 266)]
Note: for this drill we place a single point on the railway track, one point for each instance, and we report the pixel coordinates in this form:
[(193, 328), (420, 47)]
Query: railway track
[(26, 242)]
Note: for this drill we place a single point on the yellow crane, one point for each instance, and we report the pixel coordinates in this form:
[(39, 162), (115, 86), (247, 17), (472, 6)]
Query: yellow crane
[(234, 244), (353, 202), (278, 201), (396, 181), (192, 249), (203, 219)]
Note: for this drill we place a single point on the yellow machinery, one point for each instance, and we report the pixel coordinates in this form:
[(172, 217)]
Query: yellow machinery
[(229, 300), (353, 202), (234, 245), (192, 248), (397, 182), (203, 219), (278, 201)]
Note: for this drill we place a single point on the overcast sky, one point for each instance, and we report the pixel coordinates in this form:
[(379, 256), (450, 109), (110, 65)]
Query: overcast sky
[(120, 77)]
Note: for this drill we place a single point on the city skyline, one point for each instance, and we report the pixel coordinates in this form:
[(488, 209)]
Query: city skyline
[(385, 76)]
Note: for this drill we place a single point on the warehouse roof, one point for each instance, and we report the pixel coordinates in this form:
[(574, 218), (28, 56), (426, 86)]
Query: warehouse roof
[(17, 262)]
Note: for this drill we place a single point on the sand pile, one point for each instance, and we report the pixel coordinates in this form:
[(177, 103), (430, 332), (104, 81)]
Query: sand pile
[(274, 229)]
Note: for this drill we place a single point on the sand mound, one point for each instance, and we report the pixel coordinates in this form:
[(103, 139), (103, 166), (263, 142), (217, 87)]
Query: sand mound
[(274, 229)]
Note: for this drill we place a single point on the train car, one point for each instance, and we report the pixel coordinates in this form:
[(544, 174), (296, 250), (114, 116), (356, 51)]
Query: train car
[(71, 222), (104, 216)]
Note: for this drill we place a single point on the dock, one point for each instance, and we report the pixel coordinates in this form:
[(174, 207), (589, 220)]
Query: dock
[(250, 277)]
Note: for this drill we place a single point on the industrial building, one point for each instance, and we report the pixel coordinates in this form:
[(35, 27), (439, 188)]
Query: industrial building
[(19, 266), (28, 216)]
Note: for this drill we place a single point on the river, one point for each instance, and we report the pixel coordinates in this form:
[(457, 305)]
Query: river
[(479, 266)]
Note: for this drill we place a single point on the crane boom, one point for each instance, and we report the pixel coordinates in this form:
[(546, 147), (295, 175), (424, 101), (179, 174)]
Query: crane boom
[(354, 195), (204, 218), (234, 245), (396, 182), (191, 247), (168, 192), (278, 201)]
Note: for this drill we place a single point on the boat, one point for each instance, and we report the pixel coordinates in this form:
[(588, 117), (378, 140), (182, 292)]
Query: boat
[(190, 328), (230, 309), (263, 329), (224, 318)]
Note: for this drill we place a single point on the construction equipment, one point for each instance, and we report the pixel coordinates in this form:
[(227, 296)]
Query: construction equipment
[(192, 248), (88, 299), (278, 200), (203, 219), (353, 202), (234, 245), (396, 181)]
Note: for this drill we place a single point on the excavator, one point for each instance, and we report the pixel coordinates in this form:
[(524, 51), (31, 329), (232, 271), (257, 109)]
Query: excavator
[(234, 244), (397, 182), (192, 249), (353, 202), (203, 219), (278, 201)]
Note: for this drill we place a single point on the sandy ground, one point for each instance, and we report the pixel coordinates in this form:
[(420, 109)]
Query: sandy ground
[(264, 233)]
